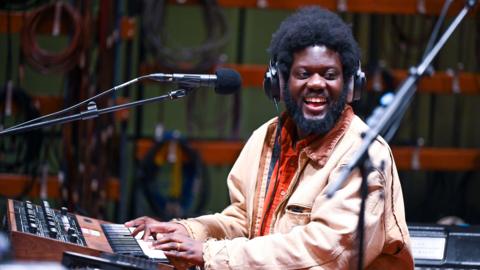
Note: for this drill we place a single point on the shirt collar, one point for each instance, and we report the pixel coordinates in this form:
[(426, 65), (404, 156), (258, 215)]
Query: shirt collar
[(317, 147)]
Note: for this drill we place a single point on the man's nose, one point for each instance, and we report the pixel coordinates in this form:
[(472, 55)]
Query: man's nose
[(316, 82)]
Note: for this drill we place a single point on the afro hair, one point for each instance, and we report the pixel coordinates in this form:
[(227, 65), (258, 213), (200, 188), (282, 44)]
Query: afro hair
[(311, 26)]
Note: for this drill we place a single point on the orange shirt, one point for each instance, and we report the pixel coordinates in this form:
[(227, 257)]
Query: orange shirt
[(281, 178)]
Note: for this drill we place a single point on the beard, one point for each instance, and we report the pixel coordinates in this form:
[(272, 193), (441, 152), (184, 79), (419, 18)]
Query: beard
[(315, 126)]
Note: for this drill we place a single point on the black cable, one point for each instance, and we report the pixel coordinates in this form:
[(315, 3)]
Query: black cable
[(19, 154), (19, 5), (8, 63), (25, 147), (276, 160), (199, 58), (477, 42), (438, 25), (405, 38), (431, 42)]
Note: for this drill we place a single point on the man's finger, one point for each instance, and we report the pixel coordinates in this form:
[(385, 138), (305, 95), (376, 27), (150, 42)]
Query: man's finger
[(168, 246), (170, 237), (130, 223), (146, 234), (138, 229), (135, 222)]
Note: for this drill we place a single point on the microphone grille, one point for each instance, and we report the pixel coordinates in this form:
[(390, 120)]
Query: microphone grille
[(228, 81)]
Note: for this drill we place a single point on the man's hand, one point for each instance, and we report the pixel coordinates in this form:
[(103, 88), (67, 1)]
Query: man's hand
[(181, 248), (150, 226)]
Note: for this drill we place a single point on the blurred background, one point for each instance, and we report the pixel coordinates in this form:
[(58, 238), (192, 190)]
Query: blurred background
[(171, 158)]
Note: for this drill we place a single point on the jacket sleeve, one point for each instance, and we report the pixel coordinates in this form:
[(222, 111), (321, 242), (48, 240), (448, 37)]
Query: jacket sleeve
[(328, 241), (233, 220)]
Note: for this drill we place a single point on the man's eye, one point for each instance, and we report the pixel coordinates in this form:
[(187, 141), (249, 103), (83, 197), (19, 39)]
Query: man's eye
[(303, 75), (330, 75)]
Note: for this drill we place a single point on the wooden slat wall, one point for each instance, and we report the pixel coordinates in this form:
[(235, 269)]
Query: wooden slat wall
[(407, 158), (439, 83), (13, 184), (406, 7), (430, 7)]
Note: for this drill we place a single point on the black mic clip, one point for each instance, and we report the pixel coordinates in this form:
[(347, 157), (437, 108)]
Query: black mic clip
[(178, 93), (91, 112)]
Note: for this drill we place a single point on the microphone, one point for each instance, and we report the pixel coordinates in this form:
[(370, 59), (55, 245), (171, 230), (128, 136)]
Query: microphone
[(225, 81)]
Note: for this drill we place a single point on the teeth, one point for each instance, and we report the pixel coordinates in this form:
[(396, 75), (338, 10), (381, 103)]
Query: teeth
[(315, 99)]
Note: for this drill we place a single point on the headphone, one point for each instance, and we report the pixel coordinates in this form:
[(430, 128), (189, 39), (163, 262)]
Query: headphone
[(271, 82)]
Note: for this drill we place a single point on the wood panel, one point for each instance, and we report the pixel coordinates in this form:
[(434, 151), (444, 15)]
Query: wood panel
[(13, 184), (444, 159), (218, 152), (430, 7), (439, 83), (407, 158), (467, 83), (442, 82)]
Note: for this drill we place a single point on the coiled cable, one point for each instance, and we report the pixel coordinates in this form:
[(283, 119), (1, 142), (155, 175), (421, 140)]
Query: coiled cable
[(46, 61), (185, 59)]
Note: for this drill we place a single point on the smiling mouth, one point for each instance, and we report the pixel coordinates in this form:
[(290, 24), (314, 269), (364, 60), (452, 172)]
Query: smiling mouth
[(315, 101), (314, 106)]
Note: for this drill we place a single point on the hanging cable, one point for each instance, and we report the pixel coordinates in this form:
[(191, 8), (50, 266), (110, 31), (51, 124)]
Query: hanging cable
[(185, 59), (17, 5), (20, 153), (46, 61)]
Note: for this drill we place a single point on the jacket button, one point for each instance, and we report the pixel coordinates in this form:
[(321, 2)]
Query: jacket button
[(282, 192)]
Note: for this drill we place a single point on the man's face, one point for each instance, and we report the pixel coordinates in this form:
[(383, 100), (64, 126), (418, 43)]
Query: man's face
[(315, 94)]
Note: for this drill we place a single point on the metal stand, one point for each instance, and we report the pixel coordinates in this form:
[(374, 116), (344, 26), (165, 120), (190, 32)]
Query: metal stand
[(92, 112), (392, 114)]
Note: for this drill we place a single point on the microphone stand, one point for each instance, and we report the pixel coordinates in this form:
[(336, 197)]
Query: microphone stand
[(92, 111), (393, 113)]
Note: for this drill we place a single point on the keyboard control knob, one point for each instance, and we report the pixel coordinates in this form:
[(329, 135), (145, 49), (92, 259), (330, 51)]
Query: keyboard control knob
[(73, 237), (53, 232), (28, 206), (51, 224), (32, 227)]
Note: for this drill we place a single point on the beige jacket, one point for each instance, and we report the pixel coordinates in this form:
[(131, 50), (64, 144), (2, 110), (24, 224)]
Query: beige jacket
[(308, 230)]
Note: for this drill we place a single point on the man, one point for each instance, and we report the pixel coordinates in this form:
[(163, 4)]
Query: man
[(279, 216)]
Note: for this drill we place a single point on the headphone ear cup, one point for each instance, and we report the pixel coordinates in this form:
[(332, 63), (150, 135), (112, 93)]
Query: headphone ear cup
[(359, 82), (271, 81)]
